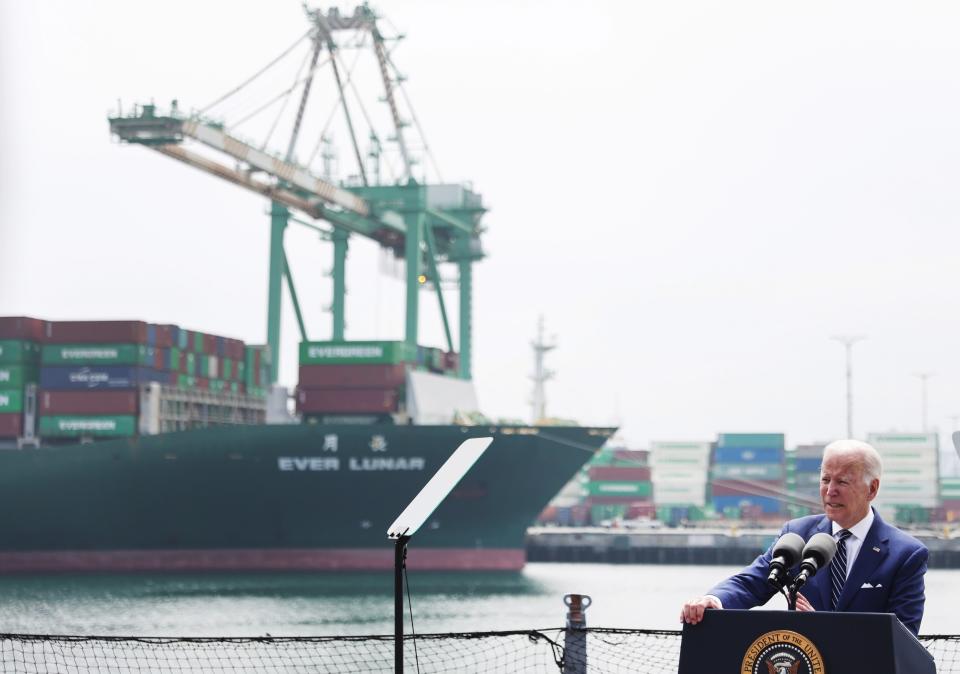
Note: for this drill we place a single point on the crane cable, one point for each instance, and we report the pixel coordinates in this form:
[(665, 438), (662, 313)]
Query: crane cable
[(286, 100), (257, 74), (283, 93)]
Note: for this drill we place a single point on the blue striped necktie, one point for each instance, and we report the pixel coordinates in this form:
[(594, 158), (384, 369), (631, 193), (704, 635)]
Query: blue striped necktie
[(838, 568)]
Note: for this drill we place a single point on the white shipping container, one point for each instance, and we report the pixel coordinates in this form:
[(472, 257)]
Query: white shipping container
[(887, 441), (919, 502), (675, 460), (682, 446), (918, 472), (680, 493), (670, 473), (898, 490)]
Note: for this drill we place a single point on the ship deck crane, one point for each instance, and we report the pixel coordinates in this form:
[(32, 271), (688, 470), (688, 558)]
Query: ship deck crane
[(424, 223)]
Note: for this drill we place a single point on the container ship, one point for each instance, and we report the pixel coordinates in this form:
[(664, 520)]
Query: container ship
[(139, 447)]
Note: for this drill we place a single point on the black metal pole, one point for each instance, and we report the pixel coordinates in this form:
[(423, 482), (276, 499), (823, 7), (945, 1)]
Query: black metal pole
[(399, 560)]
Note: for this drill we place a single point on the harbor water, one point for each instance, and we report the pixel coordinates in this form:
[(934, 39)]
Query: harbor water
[(301, 604)]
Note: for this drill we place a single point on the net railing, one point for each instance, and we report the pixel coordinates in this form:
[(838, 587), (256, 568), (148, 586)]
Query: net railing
[(541, 650)]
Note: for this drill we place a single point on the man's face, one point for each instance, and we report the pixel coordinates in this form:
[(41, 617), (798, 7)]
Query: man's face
[(845, 496)]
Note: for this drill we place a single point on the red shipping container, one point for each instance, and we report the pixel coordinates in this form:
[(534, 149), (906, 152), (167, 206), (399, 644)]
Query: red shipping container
[(951, 504), (347, 401), (637, 510), (352, 376), (640, 456), (164, 337), (11, 425), (748, 488), (22, 327), (451, 361), (620, 473), (88, 402), (93, 332), (210, 344)]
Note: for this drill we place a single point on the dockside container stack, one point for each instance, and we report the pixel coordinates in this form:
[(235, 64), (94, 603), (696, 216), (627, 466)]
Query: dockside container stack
[(747, 476), (680, 473), (950, 498), (618, 485), (803, 479), (910, 487)]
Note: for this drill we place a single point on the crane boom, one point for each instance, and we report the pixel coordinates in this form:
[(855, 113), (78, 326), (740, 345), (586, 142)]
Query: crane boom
[(149, 129)]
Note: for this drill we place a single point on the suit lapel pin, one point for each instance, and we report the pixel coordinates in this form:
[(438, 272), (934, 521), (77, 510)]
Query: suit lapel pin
[(876, 549)]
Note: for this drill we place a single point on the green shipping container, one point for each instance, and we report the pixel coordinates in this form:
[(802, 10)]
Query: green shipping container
[(190, 359), (355, 353), (751, 440), (641, 489), (17, 376), (226, 369), (19, 352), (98, 354), (75, 426), (11, 400), (599, 513)]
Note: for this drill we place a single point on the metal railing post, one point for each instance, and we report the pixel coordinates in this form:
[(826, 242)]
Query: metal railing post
[(575, 635)]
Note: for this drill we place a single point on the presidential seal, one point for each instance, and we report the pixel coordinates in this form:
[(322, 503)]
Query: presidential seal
[(782, 652)]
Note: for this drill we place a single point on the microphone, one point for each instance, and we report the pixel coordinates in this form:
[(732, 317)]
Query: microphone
[(787, 552), (817, 553)]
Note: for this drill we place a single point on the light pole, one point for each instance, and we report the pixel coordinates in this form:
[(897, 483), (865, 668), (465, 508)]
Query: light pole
[(848, 341), (923, 376)]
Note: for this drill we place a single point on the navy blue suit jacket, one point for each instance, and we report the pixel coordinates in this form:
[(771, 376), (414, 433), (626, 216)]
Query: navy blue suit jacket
[(890, 561)]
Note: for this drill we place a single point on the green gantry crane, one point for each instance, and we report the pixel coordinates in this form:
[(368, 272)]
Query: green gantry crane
[(425, 224)]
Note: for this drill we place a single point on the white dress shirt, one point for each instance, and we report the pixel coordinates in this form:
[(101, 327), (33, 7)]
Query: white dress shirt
[(858, 532)]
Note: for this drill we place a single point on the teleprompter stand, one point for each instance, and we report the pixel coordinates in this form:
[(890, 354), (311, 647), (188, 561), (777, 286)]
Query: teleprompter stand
[(413, 517)]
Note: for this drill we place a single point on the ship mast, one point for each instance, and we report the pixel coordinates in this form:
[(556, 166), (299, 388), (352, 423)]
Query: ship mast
[(541, 375)]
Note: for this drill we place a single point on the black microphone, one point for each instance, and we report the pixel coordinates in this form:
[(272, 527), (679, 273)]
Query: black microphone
[(817, 553), (787, 552)]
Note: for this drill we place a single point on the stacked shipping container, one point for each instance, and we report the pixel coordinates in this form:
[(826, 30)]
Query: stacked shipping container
[(950, 498), (910, 488), (361, 380), (19, 363), (91, 374), (618, 485), (680, 472), (748, 475), (803, 478)]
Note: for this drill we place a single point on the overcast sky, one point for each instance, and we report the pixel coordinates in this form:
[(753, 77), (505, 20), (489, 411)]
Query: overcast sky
[(695, 196)]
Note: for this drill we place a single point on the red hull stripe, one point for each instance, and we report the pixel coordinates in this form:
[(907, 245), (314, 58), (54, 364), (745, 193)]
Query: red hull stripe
[(328, 559)]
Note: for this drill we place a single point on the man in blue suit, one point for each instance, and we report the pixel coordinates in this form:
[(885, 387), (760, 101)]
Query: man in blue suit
[(884, 566)]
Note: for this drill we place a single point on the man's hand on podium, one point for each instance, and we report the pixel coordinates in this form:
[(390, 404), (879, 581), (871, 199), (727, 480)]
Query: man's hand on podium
[(692, 611), (803, 604)]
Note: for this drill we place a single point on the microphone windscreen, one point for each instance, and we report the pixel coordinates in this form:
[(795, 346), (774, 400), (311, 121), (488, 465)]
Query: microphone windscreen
[(790, 547), (822, 547)]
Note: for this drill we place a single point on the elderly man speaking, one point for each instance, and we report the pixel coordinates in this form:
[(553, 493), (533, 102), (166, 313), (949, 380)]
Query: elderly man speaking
[(878, 568)]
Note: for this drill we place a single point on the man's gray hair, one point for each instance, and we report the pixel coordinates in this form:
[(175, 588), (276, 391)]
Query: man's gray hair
[(869, 457)]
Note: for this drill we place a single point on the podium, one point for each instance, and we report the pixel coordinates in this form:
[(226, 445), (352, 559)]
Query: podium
[(765, 642)]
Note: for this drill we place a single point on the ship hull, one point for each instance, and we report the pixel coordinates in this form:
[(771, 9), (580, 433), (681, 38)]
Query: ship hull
[(297, 497)]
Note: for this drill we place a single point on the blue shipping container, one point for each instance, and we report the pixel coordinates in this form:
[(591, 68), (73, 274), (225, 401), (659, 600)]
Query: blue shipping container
[(807, 465), (747, 455), (100, 377), (767, 504), (751, 440)]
